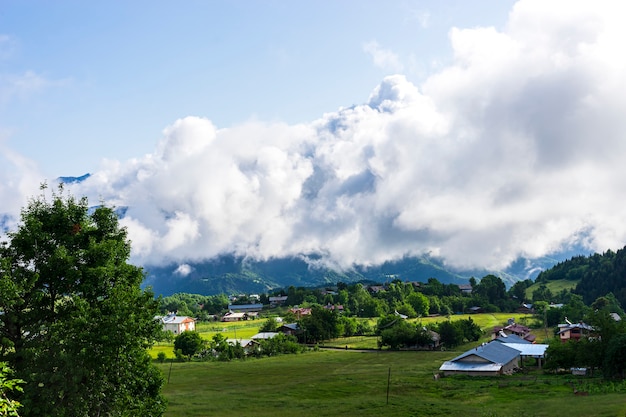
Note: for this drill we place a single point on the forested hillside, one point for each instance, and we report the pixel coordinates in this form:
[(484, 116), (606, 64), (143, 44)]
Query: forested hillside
[(597, 275)]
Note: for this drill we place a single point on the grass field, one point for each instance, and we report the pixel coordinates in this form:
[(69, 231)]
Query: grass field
[(555, 287), (378, 383), (334, 383)]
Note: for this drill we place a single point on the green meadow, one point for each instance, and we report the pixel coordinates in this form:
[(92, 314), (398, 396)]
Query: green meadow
[(339, 382)]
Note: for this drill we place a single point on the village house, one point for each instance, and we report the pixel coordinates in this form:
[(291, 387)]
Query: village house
[(248, 345), (300, 311), (488, 359), (465, 288), (235, 316), (245, 308), (177, 324), (526, 308), (573, 331), (289, 329), (334, 307), (277, 300), (514, 329)]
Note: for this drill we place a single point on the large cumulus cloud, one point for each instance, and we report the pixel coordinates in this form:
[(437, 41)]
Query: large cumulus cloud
[(514, 149)]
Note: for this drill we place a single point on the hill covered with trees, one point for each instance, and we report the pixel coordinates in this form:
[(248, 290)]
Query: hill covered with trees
[(597, 275)]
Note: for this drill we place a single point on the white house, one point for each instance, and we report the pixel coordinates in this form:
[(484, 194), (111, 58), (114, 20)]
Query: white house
[(177, 324)]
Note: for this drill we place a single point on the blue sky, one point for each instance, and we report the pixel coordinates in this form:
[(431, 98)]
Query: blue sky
[(103, 79), (357, 131)]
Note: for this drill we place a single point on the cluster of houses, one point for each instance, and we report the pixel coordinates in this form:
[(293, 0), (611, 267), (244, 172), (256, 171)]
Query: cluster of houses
[(510, 346)]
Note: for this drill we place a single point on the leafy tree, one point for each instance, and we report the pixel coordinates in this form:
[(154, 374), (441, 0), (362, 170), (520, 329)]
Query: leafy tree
[(270, 325), (561, 355), (76, 324), (401, 334), (278, 344), (189, 342), (491, 288), (406, 309), (321, 324), (518, 290), (419, 302), (471, 331), (542, 293), (451, 334), (8, 406), (615, 357)]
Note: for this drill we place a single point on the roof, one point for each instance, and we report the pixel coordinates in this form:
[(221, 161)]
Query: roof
[(231, 315), (583, 326), (517, 328), (492, 352), (242, 342), (291, 326), (510, 338), (470, 367), (533, 350), (174, 319), (245, 306), (265, 335)]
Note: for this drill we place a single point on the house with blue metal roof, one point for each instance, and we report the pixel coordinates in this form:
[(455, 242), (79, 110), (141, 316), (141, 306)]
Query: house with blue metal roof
[(488, 359)]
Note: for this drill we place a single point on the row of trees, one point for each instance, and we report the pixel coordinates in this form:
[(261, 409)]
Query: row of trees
[(410, 299), (191, 344)]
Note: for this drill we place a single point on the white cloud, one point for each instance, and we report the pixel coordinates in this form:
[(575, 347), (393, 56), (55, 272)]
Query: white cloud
[(19, 180), (383, 58), (183, 270), (516, 148)]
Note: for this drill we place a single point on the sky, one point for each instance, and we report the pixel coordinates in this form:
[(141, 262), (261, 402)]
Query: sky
[(361, 131)]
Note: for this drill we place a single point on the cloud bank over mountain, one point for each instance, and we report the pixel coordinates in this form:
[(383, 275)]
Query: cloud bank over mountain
[(514, 149)]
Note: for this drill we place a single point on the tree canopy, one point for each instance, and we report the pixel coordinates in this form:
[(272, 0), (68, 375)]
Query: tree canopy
[(75, 323)]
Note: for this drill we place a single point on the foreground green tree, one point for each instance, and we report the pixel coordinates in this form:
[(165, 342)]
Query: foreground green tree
[(75, 324), (8, 407)]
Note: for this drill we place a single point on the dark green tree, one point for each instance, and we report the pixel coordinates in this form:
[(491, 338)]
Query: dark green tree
[(615, 358), (321, 324), (401, 334), (492, 289), (189, 343), (518, 290), (450, 333), (75, 324), (542, 293)]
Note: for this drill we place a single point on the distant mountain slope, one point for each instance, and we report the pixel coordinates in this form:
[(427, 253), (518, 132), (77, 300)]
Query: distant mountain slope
[(229, 274), (71, 180)]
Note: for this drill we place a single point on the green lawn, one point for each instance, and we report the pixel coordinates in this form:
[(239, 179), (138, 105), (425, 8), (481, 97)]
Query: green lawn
[(334, 383)]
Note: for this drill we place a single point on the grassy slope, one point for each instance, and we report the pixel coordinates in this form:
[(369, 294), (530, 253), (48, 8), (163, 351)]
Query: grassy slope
[(332, 383), (555, 287)]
